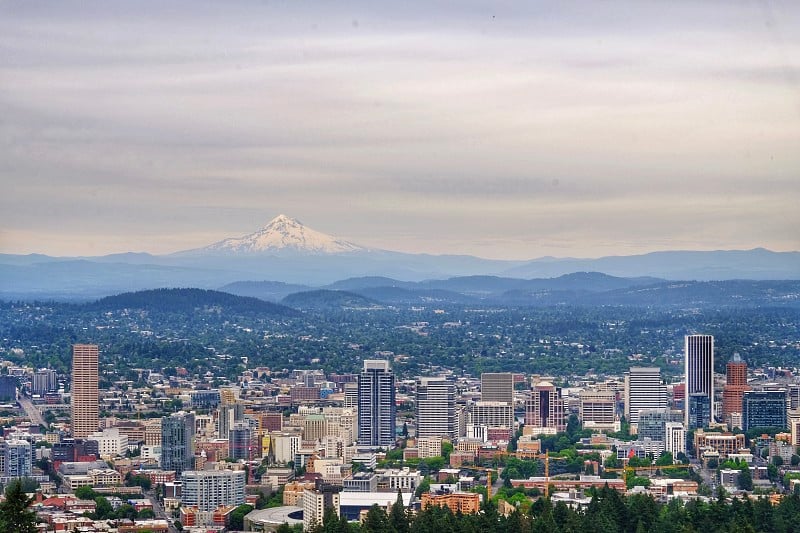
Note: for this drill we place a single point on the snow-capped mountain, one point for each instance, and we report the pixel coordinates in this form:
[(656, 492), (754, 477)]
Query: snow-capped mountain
[(284, 234)]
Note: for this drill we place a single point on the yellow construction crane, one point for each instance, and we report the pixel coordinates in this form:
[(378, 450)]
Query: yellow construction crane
[(547, 471), (488, 478)]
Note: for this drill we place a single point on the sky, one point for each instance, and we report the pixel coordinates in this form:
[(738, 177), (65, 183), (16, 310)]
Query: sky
[(502, 129)]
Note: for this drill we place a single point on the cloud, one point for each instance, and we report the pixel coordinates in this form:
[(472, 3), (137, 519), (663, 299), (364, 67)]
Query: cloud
[(575, 127)]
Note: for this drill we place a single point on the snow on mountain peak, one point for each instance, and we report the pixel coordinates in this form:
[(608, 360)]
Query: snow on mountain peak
[(284, 233)]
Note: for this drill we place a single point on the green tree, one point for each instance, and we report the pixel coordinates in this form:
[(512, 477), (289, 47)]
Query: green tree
[(665, 459), (376, 521), (745, 481), (237, 517), (398, 517), (103, 508), (14, 513), (85, 493)]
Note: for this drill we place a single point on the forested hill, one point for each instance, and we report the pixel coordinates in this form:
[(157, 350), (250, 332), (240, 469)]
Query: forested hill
[(327, 299), (188, 301)]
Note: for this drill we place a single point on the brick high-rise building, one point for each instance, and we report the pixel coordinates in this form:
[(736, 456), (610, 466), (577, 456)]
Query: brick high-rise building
[(85, 396), (544, 410), (735, 386)]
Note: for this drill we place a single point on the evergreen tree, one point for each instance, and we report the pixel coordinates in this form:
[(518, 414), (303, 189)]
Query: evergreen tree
[(376, 521), (14, 513), (745, 480), (398, 518)]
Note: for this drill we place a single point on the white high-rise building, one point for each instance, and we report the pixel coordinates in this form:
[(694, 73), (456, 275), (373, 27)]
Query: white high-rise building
[(110, 442), (436, 408), (209, 489), (675, 438), (643, 390), (314, 503), (699, 373)]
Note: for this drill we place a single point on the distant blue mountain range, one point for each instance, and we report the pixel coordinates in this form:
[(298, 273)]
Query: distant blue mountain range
[(44, 277)]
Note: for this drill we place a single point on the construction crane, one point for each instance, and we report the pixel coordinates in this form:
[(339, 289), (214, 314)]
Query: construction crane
[(488, 478), (547, 471)]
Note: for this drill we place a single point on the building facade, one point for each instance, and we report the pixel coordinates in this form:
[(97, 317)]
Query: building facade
[(735, 386), (544, 409), (376, 404), (764, 409), (598, 408), (85, 396), (177, 442), (643, 390), (436, 408), (209, 489), (699, 374), (497, 387)]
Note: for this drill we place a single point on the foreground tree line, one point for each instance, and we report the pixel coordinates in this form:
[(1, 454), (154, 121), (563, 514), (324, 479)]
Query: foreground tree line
[(608, 511)]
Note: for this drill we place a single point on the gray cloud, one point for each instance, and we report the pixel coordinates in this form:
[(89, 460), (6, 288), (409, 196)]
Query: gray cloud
[(513, 130)]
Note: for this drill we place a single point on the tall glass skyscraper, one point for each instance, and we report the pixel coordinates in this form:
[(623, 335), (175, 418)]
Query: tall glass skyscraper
[(699, 360), (376, 404), (177, 442)]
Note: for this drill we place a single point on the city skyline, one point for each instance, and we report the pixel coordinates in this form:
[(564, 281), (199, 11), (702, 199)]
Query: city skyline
[(514, 131)]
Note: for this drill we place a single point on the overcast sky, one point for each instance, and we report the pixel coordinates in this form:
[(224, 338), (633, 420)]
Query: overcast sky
[(498, 129)]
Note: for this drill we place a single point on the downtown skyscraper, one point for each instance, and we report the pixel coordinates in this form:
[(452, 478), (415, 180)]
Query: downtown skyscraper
[(177, 442), (376, 404), (436, 408), (699, 374), (643, 390), (85, 396)]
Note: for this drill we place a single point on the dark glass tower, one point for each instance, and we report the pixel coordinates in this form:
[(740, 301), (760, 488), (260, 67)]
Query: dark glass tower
[(376, 405)]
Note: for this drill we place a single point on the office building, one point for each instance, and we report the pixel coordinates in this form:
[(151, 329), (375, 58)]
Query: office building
[(735, 386), (209, 489), (242, 442), (653, 422), (643, 390), (227, 415), (44, 381), (376, 404), (177, 442), (204, 399), (491, 415), (699, 374), (8, 389), (18, 458), (497, 387), (85, 396), (675, 438), (762, 409), (698, 411), (544, 409), (316, 501), (598, 409), (436, 408), (350, 395)]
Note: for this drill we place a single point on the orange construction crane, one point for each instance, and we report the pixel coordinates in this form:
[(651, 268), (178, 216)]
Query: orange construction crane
[(488, 478), (547, 471)]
